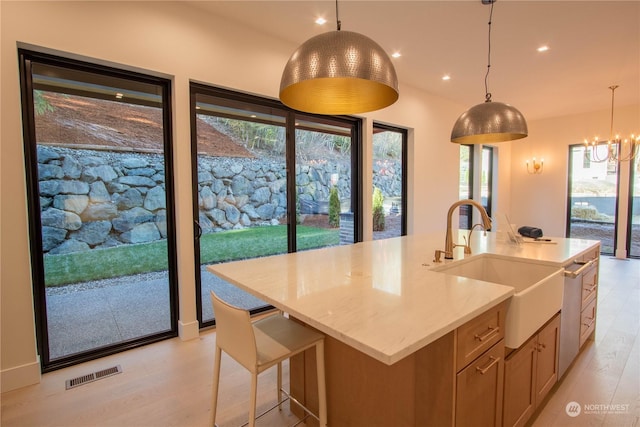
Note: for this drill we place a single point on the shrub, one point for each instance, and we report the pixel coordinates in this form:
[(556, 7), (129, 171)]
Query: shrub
[(585, 212), (378, 210), (334, 207)]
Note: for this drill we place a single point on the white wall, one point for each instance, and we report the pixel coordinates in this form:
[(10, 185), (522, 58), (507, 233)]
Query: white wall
[(174, 40), (541, 200)]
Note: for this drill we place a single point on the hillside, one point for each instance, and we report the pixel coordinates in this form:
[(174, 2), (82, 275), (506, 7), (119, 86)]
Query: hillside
[(76, 120)]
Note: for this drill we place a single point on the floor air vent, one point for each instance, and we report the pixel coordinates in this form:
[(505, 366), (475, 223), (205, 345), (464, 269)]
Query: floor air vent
[(84, 379)]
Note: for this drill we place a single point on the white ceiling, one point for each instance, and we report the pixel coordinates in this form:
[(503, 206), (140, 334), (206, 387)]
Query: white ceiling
[(593, 44)]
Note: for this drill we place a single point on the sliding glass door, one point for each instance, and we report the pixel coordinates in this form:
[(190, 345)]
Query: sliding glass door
[(98, 159), (240, 182), (267, 180), (324, 182)]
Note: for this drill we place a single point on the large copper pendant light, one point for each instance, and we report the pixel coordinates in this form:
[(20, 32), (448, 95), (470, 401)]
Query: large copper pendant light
[(339, 72), (490, 121)]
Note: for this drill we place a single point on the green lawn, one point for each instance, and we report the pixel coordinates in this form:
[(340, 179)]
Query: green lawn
[(147, 257)]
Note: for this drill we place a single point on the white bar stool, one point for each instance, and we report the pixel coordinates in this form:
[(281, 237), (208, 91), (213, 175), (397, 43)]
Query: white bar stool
[(258, 346)]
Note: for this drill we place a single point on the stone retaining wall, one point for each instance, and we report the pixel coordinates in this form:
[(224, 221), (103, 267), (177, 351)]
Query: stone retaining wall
[(98, 199)]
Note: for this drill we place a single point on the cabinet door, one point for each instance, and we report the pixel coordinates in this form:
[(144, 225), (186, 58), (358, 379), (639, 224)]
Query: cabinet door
[(479, 389), (547, 363), (519, 393)]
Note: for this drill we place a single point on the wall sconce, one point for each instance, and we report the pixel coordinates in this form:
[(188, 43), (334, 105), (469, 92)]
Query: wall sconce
[(536, 166)]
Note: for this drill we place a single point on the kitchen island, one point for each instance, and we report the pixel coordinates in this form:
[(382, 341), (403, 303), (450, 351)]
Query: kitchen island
[(393, 326)]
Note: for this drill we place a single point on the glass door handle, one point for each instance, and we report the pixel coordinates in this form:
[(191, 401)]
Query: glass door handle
[(199, 234)]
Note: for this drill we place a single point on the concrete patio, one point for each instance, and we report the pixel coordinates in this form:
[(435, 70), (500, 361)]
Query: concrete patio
[(94, 314)]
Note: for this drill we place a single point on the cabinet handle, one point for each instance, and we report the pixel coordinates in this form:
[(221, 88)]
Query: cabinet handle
[(591, 289), (541, 347), (588, 325), (493, 361), (491, 331), (574, 274)]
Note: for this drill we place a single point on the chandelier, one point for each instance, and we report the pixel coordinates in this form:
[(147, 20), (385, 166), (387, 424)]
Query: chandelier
[(617, 149)]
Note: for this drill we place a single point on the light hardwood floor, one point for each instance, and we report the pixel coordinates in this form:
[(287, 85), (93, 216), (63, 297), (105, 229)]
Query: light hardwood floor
[(169, 383)]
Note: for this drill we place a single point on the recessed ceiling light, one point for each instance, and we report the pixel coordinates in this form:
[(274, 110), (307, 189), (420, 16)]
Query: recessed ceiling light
[(543, 48), (396, 54), (446, 77), (321, 21)]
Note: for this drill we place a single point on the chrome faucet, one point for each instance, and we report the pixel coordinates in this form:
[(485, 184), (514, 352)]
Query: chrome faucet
[(448, 243)]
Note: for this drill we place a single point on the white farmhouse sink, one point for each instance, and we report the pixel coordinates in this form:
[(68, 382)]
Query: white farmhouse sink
[(538, 290)]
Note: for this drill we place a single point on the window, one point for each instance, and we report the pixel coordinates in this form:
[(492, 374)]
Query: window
[(466, 186), (267, 180), (633, 223), (389, 202), (486, 180), (593, 197), (100, 193)]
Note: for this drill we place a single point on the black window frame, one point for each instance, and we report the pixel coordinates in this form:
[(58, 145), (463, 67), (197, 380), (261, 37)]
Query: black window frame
[(26, 58), (466, 209), (489, 206), (403, 158), (633, 172), (196, 88), (570, 190)]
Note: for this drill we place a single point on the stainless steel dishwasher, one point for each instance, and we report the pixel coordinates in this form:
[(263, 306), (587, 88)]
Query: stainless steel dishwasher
[(570, 315)]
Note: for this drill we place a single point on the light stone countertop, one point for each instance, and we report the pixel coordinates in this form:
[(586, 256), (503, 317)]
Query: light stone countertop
[(380, 297)]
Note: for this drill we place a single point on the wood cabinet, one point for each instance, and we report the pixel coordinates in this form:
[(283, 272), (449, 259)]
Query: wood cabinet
[(547, 359), (479, 335), (480, 370), (457, 380), (530, 373), (589, 304), (479, 389)]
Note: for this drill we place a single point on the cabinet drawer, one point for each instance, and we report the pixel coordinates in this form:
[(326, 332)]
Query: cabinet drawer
[(478, 335), (592, 254), (589, 285), (587, 321)]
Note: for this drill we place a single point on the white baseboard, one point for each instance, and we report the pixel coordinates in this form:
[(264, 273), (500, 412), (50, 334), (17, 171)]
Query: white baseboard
[(188, 331), (20, 376)]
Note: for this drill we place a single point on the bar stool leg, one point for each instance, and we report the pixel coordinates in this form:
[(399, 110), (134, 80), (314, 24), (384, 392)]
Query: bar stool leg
[(214, 387), (322, 389), (254, 392), (280, 385)]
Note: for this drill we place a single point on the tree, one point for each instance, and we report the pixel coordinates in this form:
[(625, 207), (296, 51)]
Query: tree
[(378, 210), (334, 207), (40, 104)]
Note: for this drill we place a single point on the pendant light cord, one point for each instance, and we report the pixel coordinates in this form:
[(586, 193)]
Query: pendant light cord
[(338, 23), (487, 94)]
